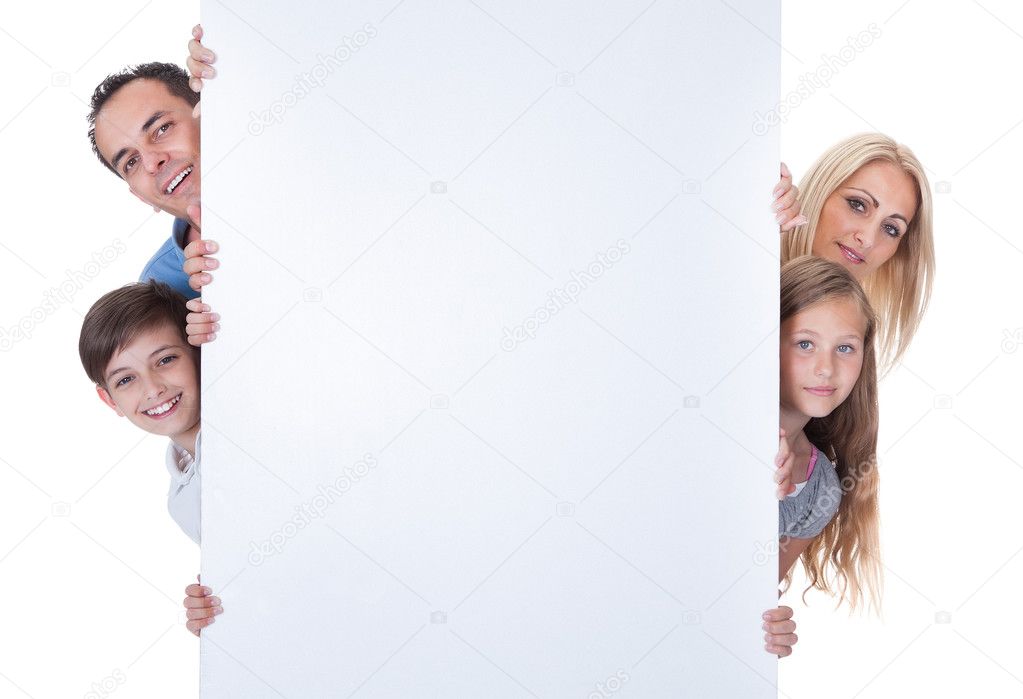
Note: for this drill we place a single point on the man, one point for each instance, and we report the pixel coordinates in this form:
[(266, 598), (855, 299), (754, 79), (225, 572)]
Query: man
[(144, 129)]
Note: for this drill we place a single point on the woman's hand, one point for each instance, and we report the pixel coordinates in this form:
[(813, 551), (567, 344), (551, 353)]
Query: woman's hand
[(786, 204), (200, 63), (779, 631), (201, 607)]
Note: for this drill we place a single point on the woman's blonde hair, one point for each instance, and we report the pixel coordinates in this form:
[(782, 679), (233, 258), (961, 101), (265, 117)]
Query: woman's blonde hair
[(899, 289), (844, 559)]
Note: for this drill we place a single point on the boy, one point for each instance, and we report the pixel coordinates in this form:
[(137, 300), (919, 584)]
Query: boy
[(134, 348)]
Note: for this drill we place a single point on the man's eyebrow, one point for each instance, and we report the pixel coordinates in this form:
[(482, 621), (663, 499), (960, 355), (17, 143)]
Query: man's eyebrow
[(145, 127), (155, 352)]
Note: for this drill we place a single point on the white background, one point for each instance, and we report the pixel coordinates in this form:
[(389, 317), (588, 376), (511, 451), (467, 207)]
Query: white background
[(95, 593)]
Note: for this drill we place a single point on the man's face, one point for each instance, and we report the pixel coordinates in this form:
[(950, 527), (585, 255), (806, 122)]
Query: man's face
[(154, 382), (151, 140)]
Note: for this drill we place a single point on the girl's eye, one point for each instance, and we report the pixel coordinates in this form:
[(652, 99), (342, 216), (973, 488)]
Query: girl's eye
[(856, 205), (804, 344), (846, 349), (166, 360)]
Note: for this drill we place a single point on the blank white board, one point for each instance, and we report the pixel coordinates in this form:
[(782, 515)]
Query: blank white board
[(494, 403)]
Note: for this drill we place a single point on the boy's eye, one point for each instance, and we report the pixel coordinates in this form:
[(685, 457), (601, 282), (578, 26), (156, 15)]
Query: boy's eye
[(123, 381), (804, 344), (163, 129)]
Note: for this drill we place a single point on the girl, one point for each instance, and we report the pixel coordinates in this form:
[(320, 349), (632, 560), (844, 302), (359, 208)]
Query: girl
[(828, 514), (866, 204)]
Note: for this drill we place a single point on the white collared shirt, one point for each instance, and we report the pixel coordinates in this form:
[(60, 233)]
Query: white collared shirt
[(183, 498)]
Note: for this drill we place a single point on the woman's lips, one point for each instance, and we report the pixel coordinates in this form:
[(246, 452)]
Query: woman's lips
[(850, 255)]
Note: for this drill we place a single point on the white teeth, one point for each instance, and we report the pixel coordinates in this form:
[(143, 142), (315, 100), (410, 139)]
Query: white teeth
[(177, 180), (161, 409)]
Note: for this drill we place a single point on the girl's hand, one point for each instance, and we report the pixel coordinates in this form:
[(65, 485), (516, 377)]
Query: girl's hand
[(201, 607), (779, 631), (200, 63), (783, 461), (785, 206)]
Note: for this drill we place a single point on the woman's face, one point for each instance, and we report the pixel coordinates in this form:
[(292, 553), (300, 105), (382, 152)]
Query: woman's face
[(864, 220)]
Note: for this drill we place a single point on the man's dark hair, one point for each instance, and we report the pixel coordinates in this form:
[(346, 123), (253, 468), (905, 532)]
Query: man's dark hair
[(173, 76), (120, 316)]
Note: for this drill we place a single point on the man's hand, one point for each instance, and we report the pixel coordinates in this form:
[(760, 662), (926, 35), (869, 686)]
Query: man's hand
[(197, 261), (201, 325), (200, 63), (783, 461), (785, 205), (779, 631), (201, 607)]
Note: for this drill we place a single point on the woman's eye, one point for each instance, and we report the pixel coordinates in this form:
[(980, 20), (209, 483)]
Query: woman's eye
[(856, 205), (891, 230)]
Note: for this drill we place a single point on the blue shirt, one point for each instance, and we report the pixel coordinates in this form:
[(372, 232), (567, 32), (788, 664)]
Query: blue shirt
[(166, 265)]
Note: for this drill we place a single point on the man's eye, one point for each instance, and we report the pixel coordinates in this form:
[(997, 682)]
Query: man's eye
[(163, 129), (129, 163)]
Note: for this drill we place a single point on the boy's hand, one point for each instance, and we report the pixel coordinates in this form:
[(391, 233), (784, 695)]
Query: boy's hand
[(779, 631), (197, 261), (785, 206), (201, 325), (200, 63), (783, 461), (201, 607)]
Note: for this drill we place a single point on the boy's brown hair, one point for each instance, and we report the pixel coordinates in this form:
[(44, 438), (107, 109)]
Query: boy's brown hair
[(120, 316)]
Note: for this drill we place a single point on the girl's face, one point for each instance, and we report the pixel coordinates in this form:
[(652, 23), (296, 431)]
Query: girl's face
[(864, 220), (821, 357)]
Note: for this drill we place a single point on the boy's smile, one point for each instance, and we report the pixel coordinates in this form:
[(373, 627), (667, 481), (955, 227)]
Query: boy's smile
[(154, 382)]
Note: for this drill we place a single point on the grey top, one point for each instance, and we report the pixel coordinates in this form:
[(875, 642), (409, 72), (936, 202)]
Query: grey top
[(805, 513)]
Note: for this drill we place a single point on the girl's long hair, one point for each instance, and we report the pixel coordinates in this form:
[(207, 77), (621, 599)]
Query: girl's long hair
[(900, 288), (844, 560)]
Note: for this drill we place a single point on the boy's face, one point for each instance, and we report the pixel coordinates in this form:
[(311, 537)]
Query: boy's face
[(154, 382), (151, 139)]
